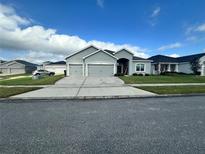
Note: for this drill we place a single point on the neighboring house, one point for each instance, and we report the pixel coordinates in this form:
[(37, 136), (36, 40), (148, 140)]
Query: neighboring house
[(163, 63), (2, 61), (92, 61), (17, 67), (57, 67)]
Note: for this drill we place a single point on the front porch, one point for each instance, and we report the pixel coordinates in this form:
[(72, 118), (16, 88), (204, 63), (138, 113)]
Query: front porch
[(165, 67)]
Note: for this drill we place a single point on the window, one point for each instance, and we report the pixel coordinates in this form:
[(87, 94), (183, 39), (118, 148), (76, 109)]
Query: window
[(140, 67)]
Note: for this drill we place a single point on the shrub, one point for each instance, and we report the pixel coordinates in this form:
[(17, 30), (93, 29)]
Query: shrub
[(138, 74), (119, 74)]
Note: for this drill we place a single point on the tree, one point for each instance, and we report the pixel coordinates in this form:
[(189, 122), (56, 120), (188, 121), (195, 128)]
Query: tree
[(195, 66)]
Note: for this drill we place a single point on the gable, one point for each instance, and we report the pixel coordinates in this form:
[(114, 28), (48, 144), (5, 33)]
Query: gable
[(100, 56), (124, 54), (12, 64), (78, 56)]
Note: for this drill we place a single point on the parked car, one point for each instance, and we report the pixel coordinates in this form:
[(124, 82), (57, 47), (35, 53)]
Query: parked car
[(43, 73)]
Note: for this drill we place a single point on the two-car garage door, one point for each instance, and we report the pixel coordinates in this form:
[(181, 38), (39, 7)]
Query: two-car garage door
[(92, 70), (100, 70)]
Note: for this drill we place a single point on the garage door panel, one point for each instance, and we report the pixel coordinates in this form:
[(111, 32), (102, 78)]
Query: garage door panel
[(75, 70), (100, 70)]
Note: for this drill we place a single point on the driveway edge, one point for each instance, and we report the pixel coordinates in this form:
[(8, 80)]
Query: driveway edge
[(104, 97)]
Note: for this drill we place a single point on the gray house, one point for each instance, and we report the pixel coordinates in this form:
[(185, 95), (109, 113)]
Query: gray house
[(163, 63), (17, 67), (92, 61)]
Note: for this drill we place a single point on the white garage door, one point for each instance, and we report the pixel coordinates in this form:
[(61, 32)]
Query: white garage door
[(56, 69), (17, 70), (75, 69), (100, 70)]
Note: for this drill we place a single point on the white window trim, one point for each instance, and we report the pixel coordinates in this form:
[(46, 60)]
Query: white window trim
[(140, 64)]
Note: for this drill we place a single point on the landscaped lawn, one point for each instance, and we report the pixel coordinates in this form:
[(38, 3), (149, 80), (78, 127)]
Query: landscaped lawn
[(7, 92), (28, 81), (175, 89), (13, 75), (163, 79)]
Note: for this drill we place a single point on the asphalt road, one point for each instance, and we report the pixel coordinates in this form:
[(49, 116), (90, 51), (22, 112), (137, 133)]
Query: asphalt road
[(152, 125)]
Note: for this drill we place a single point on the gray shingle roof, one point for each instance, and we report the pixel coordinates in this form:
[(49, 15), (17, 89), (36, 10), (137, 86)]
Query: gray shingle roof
[(25, 63), (162, 58), (110, 51), (138, 58), (58, 63), (189, 58)]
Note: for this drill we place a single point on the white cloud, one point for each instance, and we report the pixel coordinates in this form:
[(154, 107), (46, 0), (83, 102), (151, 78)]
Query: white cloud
[(174, 55), (46, 42), (9, 19), (39, 57), (153, 18), (100, 3), (195, 28), (156, 12), (170, 46), (191, 38), (200, 28)]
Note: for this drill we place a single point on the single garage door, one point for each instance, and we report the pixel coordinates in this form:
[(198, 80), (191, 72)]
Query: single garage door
[(75, 69), (100, 70)]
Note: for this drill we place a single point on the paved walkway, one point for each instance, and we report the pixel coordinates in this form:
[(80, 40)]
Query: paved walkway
[(87, 87)]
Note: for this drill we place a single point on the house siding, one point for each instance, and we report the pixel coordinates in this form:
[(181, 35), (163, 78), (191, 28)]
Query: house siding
[(185, 68), (147, 67)]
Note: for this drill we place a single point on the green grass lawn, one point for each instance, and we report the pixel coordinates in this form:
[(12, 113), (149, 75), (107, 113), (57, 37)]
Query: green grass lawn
[(7, 92), (28, 81), (175, 89), (163, 79), (13, 75)]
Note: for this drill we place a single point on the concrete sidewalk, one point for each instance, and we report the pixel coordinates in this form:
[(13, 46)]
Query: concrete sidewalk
[(167, 84), (86, 87)]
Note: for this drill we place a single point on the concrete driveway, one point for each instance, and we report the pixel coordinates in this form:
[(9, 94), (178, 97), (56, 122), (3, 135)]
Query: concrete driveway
[(87, 87)]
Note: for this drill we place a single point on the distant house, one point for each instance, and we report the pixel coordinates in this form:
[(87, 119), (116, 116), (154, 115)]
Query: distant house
[(57, 67), (163, 63), (17, 67), (2, 61)]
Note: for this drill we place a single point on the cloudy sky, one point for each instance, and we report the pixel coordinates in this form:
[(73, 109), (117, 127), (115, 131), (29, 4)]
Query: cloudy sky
[(40, 30)]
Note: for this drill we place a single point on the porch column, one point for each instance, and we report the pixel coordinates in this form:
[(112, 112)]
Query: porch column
[(159, 68), (169, 68), (177, 68), (203, 70), (115, 68)]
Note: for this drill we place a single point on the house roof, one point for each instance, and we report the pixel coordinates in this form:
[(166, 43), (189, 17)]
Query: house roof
[(21, 62), (57, 63), (100, 51), (162, 58), (190, 58), (25, 63), (110, 51), (138, 58)]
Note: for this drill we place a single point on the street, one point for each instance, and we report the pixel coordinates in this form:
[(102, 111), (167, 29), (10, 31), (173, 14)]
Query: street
[(144, 125)]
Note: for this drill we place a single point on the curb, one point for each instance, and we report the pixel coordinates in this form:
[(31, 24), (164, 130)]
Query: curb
[(105, 97)]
